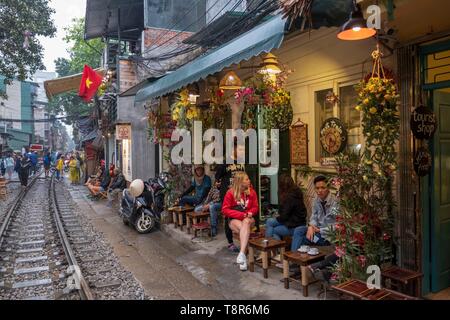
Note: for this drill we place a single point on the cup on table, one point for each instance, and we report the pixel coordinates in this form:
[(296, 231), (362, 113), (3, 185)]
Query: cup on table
[(313, 251), (304, 249), (265, 242)]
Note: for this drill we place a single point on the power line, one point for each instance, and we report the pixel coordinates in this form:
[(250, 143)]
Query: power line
[(173, 37), (32, 120)]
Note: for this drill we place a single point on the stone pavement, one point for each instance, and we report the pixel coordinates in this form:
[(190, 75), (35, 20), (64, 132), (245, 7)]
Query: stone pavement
[(171, 266)]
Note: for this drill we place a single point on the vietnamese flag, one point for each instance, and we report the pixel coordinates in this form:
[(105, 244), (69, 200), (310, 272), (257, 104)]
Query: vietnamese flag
[(90, 81)]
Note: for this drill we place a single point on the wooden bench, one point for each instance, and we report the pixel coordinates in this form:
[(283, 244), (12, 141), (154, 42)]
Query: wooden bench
[(201, 226), (193, 218), (304, 260), (258, 244), (358, 289), (177, 215), (3, 189), (403, 280)]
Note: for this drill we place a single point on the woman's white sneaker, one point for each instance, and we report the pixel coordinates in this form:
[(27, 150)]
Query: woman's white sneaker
[(243, 266), (241, 258)]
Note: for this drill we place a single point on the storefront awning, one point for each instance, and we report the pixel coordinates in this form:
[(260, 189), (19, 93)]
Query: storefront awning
[(263, 38), (64, 84)]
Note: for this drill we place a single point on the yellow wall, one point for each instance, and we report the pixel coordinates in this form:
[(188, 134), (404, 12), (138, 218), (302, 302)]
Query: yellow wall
[(321, 61)]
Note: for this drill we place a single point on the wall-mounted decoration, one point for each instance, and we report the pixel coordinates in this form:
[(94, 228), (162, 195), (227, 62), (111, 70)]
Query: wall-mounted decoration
[(123, 131), (422, 161), (333, 136), (299, 144), (423, 122)]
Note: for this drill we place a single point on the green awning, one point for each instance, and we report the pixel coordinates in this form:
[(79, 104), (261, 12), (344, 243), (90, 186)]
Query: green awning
[(263, 38)]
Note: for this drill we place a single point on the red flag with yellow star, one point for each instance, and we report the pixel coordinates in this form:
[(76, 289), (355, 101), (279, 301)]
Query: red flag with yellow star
[(90, 81)]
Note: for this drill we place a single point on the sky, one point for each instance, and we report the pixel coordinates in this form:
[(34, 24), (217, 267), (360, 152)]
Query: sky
[(56, 47)]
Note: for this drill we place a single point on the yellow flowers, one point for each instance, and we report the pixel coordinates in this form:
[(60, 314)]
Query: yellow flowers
[(373, 110), (191, 113), (358, 107), (366, 101)]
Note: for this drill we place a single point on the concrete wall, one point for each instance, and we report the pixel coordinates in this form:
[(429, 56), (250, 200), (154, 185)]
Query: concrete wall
[(143, 151)]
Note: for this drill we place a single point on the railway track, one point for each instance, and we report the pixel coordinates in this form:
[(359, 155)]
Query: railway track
[(48, 251)]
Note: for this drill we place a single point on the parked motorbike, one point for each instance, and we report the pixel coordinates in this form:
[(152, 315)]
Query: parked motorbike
[(143, 203)]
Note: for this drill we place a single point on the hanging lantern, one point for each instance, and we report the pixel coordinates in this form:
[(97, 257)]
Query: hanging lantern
[(194, 93), (230, 81), (356, 27)]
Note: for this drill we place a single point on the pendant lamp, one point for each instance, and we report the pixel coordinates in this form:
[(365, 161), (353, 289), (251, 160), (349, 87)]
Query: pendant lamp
[(356, 26)]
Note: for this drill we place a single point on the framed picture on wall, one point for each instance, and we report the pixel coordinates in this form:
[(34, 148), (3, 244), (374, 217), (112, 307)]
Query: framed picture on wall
[(299, 144)]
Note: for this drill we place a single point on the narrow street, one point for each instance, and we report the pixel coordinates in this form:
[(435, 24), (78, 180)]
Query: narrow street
[(170, 266)]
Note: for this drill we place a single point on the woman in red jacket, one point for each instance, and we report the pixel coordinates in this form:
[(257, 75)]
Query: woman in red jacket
[(241, 205)]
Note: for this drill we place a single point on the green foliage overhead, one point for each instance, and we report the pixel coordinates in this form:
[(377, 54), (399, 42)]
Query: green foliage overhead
[(17, 18)]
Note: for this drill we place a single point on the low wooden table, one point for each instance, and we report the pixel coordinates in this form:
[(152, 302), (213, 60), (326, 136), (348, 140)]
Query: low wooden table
[(304, 260), (193, 217), (403, 280), (358, 289), (258, 244), (177, 215)]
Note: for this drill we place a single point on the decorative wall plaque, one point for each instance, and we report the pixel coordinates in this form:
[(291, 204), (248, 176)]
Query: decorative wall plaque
[(299, 144), (422, 161), (423, 122), (333, 136)]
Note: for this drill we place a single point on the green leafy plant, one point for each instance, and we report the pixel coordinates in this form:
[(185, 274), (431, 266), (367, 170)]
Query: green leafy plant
[(363, 234)]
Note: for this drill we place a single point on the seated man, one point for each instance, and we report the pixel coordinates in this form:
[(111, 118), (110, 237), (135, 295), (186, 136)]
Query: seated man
[(95, 180), (102, 187), (212, 204), (201, 184), (117, 185), (323, 216)]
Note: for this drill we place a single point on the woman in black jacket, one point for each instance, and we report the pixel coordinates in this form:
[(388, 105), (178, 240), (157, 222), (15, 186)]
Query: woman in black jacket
[(292, 210)]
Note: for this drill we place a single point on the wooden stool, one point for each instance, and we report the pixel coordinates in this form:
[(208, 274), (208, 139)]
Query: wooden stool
[(304, 260), (193, 218), (403, 280), (259, 245), (3, 189), (201, 226), (177, 215), (358, 289)]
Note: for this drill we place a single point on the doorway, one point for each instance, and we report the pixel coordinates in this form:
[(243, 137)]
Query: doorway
[(439, 234)]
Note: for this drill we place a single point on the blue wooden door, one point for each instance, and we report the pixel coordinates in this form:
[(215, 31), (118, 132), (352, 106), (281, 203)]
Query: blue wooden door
[(440, 219)]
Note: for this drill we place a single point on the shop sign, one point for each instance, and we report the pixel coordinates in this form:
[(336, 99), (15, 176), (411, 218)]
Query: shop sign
[(123, 132), (423, 122), (333, 136), (422, 161), (299, 144), (328, 162), (36, 147)]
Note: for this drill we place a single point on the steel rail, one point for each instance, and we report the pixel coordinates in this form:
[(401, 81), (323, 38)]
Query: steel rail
[(14, 207), (84, 290)]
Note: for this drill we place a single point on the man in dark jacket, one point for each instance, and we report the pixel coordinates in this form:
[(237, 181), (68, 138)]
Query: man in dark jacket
[(117, 185)]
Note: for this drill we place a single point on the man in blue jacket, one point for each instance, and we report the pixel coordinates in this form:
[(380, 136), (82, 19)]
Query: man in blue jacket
[(34, 160)]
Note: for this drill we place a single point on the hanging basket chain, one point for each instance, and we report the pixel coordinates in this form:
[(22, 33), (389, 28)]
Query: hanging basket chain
[(377, 69)]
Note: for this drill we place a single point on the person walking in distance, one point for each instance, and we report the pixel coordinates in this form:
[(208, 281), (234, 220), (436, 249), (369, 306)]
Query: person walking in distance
[(25, 166), (9, 163)]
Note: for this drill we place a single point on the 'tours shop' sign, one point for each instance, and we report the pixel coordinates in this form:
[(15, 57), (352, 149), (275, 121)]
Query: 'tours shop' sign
[(423, 122)]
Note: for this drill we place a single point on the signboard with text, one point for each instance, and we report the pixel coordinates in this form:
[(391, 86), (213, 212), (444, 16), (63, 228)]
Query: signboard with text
[(123, 132)]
